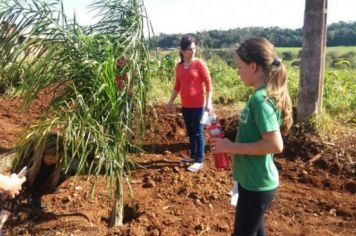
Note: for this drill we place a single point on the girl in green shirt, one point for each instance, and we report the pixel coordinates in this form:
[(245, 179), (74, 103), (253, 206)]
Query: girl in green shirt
[(267, 113)]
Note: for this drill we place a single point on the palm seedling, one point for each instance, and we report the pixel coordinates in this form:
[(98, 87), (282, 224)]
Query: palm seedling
[(77, 65)]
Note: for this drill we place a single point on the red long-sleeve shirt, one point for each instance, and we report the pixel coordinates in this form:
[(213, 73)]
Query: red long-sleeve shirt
[(189, 83)]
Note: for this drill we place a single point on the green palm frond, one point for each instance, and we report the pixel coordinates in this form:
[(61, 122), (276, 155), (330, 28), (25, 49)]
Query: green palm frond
[(78, 63)]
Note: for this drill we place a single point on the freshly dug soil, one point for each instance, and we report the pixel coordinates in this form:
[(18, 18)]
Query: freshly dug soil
[(316, 195)]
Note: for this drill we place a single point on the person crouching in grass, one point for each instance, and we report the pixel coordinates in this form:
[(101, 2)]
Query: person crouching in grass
[(45, 172)]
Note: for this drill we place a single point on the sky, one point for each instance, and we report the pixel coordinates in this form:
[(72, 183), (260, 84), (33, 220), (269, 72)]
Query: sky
[(190, 16)]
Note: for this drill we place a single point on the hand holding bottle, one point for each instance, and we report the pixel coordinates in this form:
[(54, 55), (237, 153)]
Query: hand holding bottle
[(209, 108), (11, 185), (220, 145), (221, 158)]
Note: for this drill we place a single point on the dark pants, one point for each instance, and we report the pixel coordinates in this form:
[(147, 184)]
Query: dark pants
[(195, 130), (251, 207)]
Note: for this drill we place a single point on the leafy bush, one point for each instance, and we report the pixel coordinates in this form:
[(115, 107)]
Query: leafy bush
[(163, 65), (339, 92), (12, 76), (296, 63), (288, 56), (228, 88), (227, 54), (293, 82), (340, 64)]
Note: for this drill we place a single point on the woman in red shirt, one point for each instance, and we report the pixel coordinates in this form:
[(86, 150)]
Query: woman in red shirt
[(191, 74)]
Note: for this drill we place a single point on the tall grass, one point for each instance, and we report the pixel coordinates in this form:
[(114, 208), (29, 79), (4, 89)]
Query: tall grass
[(340, 92), (227, 87)]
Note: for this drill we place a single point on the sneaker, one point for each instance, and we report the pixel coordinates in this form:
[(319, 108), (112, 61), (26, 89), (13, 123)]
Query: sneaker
[(186, 161), (196, 167)]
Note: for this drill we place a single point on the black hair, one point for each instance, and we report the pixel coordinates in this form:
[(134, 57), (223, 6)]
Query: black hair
[(185, 42)]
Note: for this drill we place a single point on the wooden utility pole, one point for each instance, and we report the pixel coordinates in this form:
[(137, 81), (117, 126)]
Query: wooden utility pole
[(313, 59)]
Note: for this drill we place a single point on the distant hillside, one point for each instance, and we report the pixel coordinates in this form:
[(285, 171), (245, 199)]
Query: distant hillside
[(339, 34)]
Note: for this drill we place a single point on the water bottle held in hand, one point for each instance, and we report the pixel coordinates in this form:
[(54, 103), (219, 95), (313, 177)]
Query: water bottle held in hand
[(222, 160), (9, 206)]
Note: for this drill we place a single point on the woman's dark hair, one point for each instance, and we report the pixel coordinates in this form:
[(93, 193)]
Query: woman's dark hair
[(36, 148), (185, 42)]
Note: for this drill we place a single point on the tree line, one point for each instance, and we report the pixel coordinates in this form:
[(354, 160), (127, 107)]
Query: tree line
[(338, 34)]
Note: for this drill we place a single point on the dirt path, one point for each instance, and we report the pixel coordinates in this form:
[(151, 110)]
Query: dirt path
[(316, 196)]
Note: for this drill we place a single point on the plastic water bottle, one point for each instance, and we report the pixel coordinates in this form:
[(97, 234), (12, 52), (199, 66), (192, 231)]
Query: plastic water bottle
[(9, 206), (221, 160)]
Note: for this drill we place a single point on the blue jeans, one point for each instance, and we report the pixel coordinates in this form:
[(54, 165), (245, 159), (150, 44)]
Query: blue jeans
[(195, 130)]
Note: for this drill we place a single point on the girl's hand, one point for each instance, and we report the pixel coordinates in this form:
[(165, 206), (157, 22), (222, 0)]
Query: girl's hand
[(220, 145), (209, 108), (12, 185), (169, 106)]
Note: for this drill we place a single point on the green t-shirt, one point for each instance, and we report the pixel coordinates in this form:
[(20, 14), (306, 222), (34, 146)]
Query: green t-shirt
[(260, 115)]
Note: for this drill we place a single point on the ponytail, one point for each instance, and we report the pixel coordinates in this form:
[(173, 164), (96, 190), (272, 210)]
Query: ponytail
[(181, 57), (277, 88)]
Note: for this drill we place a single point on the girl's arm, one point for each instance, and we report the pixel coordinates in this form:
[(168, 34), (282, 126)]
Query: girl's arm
[(171, 100), (271, 142), (208, 102), (204, 72), (174, 93)]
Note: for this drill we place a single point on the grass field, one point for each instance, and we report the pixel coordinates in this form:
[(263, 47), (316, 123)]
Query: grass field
[(339, 49)]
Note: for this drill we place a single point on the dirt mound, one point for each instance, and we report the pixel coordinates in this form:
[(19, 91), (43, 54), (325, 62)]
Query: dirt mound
[(316, 196), (319, 163)]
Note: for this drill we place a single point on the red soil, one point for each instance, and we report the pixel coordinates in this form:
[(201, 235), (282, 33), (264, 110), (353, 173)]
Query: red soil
[(316, 196)]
